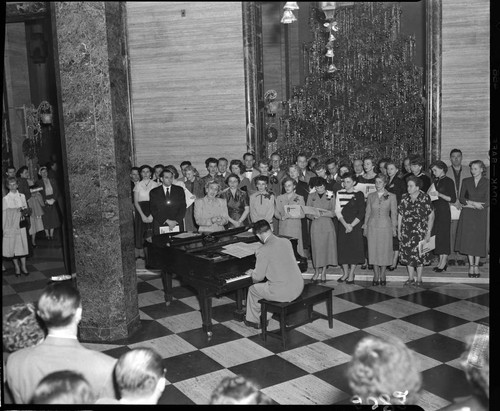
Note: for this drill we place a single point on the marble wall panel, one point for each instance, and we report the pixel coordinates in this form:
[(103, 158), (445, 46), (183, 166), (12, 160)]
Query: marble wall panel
[(93, 77)]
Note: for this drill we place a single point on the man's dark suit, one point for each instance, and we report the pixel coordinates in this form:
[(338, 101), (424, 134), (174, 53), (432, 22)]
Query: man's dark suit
[(162, 211)]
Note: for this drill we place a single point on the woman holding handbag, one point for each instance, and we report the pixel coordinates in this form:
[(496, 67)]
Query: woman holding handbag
[(15, 215), (50, 194)]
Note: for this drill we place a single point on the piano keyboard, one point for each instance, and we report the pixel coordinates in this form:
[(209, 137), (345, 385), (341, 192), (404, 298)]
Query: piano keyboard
[(237, 278)]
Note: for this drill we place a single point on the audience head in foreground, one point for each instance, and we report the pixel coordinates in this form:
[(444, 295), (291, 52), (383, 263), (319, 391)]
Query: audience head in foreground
[(238, 390), (60, 307), (140, 376), (63, 387), (384, 369), (21, 328)]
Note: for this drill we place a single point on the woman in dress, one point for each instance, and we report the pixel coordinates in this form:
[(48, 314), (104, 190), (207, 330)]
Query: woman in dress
[(367, 178), (472, 225), (323, 237), (237, 202), (350, 210), (397, 186), (237, 167), (417, 169), (196, 187), (143, 217), (369, 175), (14, 237), (50, 195), (445, 190), (262, 201), (415, 221), (290, 225), (380, 227), (210, 212)]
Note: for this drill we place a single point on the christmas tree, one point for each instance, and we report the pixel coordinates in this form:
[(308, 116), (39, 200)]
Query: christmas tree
[(365, 97)]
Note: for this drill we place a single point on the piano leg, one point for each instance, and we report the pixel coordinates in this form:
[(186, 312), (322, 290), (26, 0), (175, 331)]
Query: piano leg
[(166, 279), (206, 312)]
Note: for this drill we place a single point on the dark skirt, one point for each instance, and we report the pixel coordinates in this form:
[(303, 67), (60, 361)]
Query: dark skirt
[(441, 227), (50, 217), (471, 232), (350, 246), (140, 227), (395, 243)]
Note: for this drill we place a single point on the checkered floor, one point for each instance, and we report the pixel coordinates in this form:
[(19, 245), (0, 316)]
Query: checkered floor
[(433, 321)]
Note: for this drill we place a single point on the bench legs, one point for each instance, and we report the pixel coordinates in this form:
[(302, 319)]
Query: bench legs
[(329, 310), (283, 326), (263, 321)]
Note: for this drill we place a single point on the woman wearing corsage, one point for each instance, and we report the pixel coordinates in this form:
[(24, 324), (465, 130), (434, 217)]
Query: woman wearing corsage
[(289, 213)]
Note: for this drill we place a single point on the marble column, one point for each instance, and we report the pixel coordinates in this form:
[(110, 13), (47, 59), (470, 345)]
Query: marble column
[(433, 58), (91, 76)]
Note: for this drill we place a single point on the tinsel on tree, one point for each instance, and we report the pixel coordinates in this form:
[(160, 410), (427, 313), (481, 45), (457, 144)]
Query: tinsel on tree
[(367, 99)]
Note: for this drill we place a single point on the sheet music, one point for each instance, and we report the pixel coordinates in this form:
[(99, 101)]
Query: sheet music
[(293, 210), (240, 249), (431, 189), (166, 229), (190, 197), (365, 188), (316, 211), (425, 247)]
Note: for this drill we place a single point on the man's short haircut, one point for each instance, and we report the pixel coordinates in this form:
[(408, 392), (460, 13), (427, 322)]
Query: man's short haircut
[(275, 154), (211, 160), (173, 169), (185, 163), (58, 304), (134, 168), (222, 159), (300, 155), (265, 162), (63, 387), (295, 166), (455, 150), (417, 160), (10, 168), (320, 166), (261, 226), (190, 168), (137, 372), (158, 166), (167, 170), (331, 161), (248, 154), (21, 170)]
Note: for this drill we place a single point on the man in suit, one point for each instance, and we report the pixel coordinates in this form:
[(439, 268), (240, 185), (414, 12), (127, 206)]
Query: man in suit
[(357, 166), (276, 171), (158, 168), (222, 168), (60, 308), (304, 174), (250, 171), (168, 204), (333, 168), (275, 261), (457, 173)]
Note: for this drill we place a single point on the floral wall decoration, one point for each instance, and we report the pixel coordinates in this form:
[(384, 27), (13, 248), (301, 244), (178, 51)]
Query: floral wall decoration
[(371, 103)]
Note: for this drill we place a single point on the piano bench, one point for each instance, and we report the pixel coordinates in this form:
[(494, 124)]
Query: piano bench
[(311, 295)]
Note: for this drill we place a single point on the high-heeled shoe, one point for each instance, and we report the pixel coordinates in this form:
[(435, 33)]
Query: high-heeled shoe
[(323, 280), (370, 266), (342, 279), (363, 267), (409, 282), (375, 282), (315, 279), (18, 275), (471, 271), (349, 282), (440, 270), (25, 272), (477, 274), (383, 282)]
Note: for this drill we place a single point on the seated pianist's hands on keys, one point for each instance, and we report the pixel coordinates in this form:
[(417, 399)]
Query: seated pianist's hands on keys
[(276, 261)]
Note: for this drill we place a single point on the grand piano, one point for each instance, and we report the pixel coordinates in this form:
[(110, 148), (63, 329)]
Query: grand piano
[(200, 263)]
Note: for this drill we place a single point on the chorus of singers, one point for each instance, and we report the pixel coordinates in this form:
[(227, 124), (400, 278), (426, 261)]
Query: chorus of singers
[(378, 230)]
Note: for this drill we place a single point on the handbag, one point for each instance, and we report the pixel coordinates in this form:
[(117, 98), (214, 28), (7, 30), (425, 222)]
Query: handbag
[(23, 223)]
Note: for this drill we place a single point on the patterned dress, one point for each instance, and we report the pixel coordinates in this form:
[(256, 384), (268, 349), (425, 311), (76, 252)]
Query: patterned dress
[(291, 227), (235, 205), (413, 228)]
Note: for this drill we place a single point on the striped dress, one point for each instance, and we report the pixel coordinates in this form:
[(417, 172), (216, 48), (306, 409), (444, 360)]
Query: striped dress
[(350, 248)]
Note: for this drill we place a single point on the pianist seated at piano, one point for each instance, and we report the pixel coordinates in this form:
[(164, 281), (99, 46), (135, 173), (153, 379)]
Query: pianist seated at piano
[(276, 261), (210, 212)]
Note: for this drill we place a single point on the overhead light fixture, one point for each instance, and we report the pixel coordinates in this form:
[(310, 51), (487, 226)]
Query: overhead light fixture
[(288, 16), (332, 68), (329, 53), (291, 5)]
